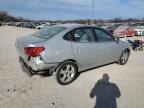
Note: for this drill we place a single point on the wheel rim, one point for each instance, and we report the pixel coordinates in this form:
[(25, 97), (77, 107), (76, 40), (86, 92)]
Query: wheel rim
[(67, 73), (124, 57)]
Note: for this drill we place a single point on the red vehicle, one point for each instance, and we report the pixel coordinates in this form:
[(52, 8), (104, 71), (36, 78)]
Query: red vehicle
[(124, 31)]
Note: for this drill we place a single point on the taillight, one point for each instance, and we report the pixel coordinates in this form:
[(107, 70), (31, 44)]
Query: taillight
[(33, 51)]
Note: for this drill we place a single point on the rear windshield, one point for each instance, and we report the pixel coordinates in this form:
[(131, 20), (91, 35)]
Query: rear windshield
[(48, 32)]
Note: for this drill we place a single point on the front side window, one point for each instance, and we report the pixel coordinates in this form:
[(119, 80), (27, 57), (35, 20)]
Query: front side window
[(82, 35), (102, 35), (48, 32)]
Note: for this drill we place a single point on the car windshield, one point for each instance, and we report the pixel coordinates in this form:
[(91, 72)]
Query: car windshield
[(48, 32)]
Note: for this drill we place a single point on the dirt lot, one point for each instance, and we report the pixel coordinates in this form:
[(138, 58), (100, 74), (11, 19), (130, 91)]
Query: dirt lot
[(17, 90)]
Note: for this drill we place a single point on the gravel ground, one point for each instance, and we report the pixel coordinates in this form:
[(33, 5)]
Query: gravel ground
[(17, 90)]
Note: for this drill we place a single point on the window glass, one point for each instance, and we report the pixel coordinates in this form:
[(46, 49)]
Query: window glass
[(68, 36), (82, 35), (103, 35), (48, 32)]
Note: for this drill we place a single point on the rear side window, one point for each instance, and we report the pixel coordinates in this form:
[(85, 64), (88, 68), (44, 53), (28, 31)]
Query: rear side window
[(102, 35), (82, 35)]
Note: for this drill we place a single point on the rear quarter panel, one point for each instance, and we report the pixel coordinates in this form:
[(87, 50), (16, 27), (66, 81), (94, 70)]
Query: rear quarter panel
[(57, 50)]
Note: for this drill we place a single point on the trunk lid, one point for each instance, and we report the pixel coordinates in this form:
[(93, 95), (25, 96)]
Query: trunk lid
[(27, 41)]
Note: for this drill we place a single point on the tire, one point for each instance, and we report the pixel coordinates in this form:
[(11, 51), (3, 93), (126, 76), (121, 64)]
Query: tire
[(141, 48), (135, 49), (66, 73), (135, 33), (143, 33), (124, 57)]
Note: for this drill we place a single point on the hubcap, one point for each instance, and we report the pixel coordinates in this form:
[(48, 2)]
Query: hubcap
[(124, 57), (67, 73)]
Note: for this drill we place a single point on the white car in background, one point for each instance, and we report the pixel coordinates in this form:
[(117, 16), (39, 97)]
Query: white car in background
[(42, 26), (139, 31)]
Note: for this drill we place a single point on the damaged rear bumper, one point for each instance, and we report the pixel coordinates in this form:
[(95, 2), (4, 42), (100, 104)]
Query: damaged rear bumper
[(36, 64)]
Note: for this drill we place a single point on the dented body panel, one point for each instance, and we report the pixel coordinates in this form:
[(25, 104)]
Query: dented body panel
[(37, 64), (53, 55)]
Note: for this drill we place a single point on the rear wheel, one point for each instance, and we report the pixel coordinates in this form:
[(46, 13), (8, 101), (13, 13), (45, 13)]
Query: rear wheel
[(66, 73), (124, 57)]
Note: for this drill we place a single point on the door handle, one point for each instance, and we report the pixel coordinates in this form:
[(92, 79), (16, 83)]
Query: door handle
[(77, 51)]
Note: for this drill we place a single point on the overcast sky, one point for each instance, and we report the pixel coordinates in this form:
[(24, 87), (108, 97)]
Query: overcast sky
[(73, 9)]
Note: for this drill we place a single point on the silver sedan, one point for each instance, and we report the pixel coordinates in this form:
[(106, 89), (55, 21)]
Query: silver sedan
[(67, 49)]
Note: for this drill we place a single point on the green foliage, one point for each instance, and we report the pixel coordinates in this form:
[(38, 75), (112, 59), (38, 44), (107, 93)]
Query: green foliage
[(5, 17)]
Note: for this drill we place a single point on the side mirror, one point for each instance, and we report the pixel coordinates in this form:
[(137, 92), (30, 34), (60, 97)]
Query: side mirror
[(117, 39)]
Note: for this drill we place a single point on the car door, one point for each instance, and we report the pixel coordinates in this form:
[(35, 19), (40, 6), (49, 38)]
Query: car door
[(84, 48), (108, 47)]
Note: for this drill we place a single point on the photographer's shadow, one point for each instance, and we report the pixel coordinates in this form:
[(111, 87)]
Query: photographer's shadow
[(106, 93)]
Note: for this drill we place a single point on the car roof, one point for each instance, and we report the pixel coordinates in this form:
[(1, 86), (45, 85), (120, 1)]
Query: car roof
[(75, 25)]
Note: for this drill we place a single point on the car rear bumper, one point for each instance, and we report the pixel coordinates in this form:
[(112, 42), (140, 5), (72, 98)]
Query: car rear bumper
[(36, 64)]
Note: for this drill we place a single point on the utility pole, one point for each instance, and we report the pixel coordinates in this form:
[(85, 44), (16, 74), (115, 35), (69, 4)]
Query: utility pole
[(93, 8)]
